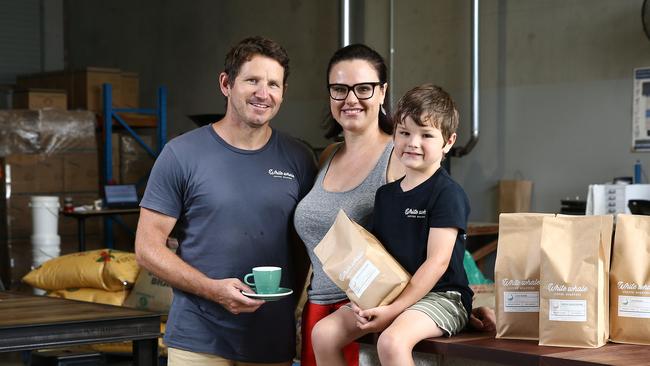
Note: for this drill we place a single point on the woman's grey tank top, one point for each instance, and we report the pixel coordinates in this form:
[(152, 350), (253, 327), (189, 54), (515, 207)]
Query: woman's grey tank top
[(317, 211)]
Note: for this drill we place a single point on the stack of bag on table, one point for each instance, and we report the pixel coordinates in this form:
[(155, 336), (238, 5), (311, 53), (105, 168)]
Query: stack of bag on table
[(103, 276), (556, 284)]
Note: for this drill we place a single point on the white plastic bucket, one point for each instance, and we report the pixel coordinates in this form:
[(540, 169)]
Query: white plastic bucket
[(45, 215), (44, 248)]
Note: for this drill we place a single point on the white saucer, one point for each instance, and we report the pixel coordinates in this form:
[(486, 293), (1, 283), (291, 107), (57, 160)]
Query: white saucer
[(283, 292)]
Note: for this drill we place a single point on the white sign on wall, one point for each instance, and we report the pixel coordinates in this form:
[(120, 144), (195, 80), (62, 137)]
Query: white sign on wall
[(641, 110)]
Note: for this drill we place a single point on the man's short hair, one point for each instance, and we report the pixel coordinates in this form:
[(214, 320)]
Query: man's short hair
[(251, 46), (429, 104)]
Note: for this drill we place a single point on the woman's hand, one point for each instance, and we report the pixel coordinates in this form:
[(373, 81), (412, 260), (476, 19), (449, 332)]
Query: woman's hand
[(375, 319)]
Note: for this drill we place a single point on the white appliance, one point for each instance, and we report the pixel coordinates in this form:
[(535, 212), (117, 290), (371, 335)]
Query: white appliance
[(604, 199)]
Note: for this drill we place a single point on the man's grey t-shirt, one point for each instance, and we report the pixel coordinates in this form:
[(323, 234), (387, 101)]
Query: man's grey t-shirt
[(234, 209)]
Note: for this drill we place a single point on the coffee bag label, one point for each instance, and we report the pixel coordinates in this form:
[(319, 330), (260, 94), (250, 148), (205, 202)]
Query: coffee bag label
[(521, 285), (632, 288), (566, 290), (567, 310), (363, 278), (634, 307), (521, 301)]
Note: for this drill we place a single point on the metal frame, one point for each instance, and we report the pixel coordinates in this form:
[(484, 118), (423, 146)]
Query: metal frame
[(111, 113)]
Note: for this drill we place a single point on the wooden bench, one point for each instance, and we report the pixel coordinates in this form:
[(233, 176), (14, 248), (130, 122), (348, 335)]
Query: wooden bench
[(36, 322), (484, 347)]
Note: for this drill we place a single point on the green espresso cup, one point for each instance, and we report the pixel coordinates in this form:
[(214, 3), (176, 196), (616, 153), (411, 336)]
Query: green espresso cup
[(267, 279)]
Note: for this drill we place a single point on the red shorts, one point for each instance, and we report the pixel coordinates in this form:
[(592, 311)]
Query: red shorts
[(311, 314)]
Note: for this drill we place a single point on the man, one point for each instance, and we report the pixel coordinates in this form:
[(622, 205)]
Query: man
[(230, 189)]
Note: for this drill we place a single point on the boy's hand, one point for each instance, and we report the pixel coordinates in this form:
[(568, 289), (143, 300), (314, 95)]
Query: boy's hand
[(360, 319), (375, 319)]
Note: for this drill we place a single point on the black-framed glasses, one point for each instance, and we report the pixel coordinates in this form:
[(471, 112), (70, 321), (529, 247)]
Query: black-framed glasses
[(361, 90)]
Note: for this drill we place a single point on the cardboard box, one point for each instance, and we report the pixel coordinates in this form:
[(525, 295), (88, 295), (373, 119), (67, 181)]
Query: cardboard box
[(84, 86), (62, 80), (88, 87), (130, 90), (35, 173), (80, 172), (28, 81), (40, 98)]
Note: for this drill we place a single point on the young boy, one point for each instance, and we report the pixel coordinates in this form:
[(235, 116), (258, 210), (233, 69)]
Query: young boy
[(421, 219)]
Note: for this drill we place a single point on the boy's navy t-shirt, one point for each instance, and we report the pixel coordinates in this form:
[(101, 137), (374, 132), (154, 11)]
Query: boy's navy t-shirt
[(402, 221)]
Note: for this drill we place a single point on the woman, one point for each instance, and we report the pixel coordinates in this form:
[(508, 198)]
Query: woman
[(350, 174)]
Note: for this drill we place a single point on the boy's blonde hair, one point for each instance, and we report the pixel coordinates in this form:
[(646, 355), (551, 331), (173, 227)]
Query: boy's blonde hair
[(429, 104)]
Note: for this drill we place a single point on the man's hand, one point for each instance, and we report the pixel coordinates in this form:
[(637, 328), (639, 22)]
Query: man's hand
[(227, 292), (375, 319), (483, 319)]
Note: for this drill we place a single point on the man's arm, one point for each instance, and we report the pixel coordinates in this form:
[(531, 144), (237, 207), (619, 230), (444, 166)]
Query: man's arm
[(152, 254)]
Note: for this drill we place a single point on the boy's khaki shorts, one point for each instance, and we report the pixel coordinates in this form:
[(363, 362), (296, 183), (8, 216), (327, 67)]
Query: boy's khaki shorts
[(179, 357), (445, 309)]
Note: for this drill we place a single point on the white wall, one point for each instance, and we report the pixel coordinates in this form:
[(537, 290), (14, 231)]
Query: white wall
[(556, 88)]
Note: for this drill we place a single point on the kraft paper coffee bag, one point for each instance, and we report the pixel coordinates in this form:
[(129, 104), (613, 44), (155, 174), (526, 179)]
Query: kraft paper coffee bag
[(574, 286), (150, 293), (629, 314), (516, 275), (359, 265)]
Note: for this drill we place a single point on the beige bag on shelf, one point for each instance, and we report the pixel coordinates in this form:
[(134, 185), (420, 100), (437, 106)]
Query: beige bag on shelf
[(516, 275), (104, 269), (629, 305), (359, 265), (92, 295), (515, 195), (574, 286)]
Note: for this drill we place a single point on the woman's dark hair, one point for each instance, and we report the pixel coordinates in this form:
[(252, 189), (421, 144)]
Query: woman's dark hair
[(359, 52)]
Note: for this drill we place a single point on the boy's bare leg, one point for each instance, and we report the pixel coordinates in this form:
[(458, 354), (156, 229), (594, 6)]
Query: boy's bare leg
[(395, 344), (332, 333)]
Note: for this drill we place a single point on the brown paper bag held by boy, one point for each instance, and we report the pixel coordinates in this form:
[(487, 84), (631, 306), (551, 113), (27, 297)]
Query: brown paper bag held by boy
[(358, 264), (629, 314), (574, 281)]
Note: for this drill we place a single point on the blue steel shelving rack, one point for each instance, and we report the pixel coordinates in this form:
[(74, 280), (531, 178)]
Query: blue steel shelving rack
[(111, 114)]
